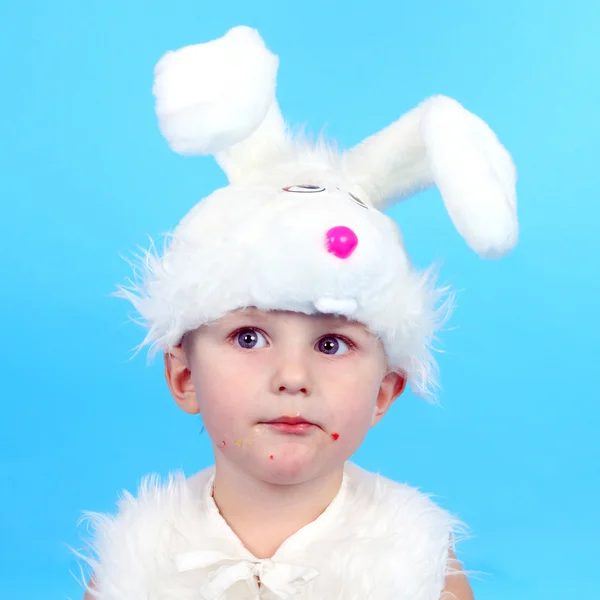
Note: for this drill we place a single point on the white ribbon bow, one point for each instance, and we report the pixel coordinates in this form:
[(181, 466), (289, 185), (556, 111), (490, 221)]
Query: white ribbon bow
[(282, 579)]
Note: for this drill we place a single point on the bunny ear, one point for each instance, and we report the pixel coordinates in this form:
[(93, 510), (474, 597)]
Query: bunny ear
[(219, 98), (440, 143)]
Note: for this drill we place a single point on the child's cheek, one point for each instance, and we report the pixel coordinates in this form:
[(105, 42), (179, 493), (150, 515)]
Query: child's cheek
[(222, 426), (350, 430)]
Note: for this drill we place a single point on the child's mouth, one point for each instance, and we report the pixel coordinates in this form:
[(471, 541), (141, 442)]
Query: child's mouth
[(292, 425)]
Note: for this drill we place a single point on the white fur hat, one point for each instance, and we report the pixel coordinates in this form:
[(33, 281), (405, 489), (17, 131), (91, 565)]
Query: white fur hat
[(300, 226)]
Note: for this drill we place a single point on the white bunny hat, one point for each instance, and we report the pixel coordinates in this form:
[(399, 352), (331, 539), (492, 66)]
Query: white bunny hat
[(300, 227)]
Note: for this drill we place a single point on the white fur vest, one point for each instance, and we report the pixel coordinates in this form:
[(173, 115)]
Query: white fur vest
[(377, 540)]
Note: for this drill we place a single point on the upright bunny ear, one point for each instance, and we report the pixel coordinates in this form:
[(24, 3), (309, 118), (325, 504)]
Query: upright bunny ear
[(219, 98), (440, 143)]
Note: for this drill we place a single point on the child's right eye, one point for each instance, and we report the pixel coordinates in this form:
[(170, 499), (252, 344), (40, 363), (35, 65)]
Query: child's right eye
[(249, 339)]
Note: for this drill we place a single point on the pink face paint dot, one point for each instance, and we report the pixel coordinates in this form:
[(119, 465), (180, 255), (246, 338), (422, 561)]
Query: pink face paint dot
[(223, 444), (335, 436)]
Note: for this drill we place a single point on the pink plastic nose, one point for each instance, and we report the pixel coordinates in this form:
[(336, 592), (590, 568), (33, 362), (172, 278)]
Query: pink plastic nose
[(341, 241)]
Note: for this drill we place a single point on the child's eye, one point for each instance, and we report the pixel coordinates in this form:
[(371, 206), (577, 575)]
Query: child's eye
[(330, 344), (250, 339)]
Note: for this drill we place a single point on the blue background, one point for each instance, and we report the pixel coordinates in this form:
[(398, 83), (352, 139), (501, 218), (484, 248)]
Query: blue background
[(85, 175)]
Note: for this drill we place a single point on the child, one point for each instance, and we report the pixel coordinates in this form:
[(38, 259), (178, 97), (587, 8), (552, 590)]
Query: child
[(291, 318)]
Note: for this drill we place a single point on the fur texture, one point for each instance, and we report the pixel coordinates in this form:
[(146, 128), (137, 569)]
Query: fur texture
[(198, 109), (254, 244), (378, 540), (440, 143), (270, 254)]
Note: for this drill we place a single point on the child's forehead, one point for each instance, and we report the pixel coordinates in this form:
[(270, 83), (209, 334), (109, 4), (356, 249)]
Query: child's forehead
[(280, 316)]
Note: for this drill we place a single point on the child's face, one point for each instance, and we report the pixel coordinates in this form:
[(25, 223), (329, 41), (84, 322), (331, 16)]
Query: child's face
[(253, 369)]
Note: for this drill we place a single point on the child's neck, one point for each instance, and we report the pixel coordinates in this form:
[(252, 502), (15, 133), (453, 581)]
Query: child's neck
[(263, 515)]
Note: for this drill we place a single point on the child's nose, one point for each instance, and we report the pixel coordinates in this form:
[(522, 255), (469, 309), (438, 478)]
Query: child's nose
[(341, 241)]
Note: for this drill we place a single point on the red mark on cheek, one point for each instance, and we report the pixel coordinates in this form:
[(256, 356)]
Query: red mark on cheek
[(335, 436), (223, 444), (271, 457)]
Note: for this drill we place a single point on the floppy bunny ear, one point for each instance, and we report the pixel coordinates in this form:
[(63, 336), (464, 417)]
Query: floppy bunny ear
[(219, 98), (440, 143)]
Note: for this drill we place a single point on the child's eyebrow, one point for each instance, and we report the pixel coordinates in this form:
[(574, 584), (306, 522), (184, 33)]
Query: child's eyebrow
[(334, 321), (353, 328), (247, 313), (239, 316)]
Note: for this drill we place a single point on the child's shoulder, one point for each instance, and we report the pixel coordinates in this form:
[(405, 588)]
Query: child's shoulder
[(165, 502), (158, 494), (384, 504), (372, 486)]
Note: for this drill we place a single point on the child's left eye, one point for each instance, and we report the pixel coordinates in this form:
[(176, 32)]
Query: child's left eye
[(250, 338), (331, 344)]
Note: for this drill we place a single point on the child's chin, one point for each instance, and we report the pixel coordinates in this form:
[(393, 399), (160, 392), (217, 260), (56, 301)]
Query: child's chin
[(288, 465)]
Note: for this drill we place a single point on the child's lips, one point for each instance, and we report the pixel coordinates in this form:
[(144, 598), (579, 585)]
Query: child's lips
[(290, 425), (296, 429)]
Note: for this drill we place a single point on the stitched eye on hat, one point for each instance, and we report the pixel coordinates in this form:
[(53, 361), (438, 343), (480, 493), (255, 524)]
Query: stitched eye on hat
[(358, 200), (304, 189)]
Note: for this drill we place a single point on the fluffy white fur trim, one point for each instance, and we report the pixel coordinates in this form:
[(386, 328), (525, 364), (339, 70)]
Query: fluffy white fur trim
[(383, 540)]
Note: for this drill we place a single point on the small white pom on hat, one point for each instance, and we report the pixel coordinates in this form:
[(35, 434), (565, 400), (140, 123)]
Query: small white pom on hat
[(212, 96)]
